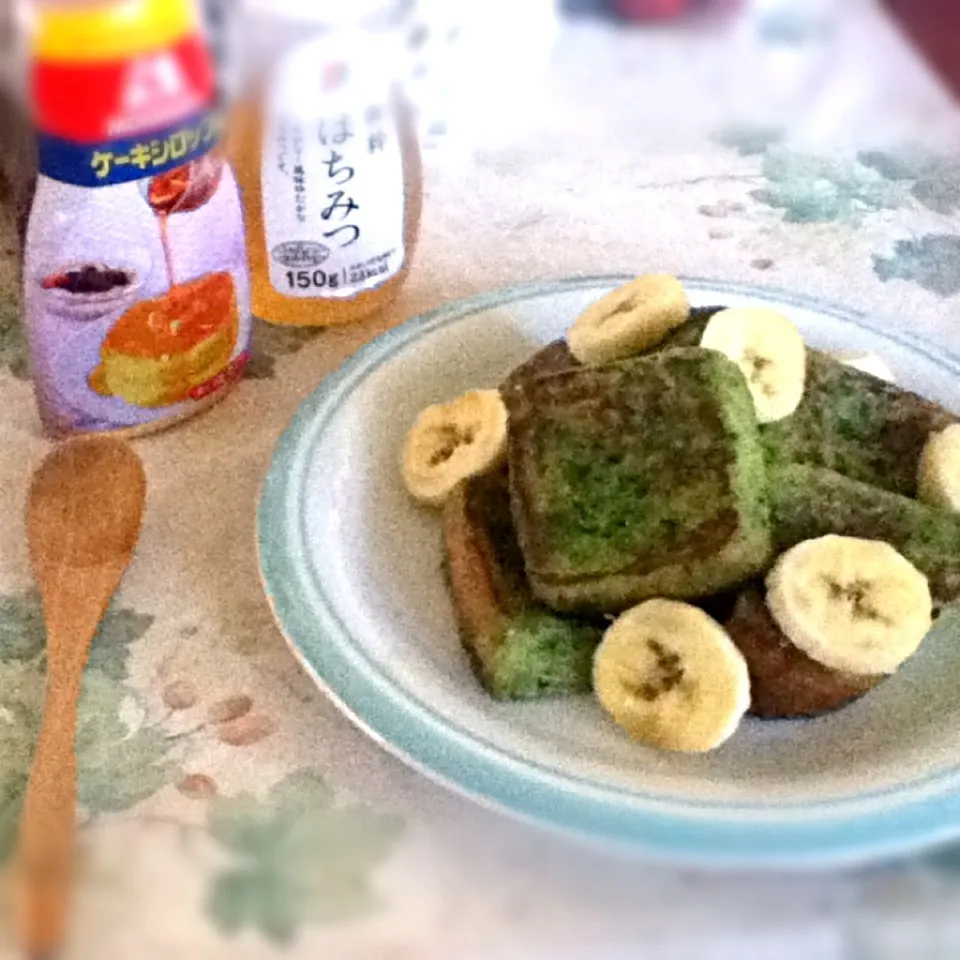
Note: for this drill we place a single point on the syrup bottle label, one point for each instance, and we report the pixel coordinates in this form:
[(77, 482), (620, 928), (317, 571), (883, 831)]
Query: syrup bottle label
[(136, 291)]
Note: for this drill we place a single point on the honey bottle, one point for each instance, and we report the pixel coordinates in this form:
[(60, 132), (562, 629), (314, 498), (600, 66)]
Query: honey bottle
[(326, 152)]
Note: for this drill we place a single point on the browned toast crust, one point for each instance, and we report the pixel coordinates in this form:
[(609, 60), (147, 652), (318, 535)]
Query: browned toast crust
[(784, 682)]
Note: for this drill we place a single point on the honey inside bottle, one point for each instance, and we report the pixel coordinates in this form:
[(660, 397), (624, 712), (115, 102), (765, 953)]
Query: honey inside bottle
[(328, 161)]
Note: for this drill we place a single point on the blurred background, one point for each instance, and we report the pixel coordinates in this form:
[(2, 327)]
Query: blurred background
[(477, 72)]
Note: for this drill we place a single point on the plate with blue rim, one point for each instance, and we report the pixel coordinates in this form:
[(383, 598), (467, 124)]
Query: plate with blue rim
[(353, 571)]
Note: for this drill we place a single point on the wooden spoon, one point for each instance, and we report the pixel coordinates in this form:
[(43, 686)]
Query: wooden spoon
[(84, 514)]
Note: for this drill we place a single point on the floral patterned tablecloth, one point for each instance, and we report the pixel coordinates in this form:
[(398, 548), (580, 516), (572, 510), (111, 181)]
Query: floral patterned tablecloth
[(228, 810)]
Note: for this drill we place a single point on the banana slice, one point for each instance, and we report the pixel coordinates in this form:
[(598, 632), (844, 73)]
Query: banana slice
[(450, 442), (938, 479), (870, 363), (671, 677), (769, 350), (629, 320), (853, 605)]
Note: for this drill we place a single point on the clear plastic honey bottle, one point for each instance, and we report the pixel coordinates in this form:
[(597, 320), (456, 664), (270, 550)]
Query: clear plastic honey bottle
[(325, 147)]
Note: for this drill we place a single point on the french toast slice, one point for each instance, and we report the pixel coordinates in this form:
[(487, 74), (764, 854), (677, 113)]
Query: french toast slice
[(690, 333), (848, 421), (556, 357), (785, 683), (638, 479), (809, 502), (857, 425), (518, 649)]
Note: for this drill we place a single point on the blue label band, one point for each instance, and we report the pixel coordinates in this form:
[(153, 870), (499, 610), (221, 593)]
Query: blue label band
[(133, 158)]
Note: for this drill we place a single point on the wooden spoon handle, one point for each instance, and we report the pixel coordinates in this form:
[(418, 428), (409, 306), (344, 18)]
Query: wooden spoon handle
[(48, 823), (74, 603)]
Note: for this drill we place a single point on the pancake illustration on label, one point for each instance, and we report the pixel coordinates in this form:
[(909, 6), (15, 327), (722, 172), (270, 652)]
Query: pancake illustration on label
[(161, 350)]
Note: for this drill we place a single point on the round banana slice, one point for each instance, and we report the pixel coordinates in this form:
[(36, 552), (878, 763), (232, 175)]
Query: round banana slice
[(938, 478), (671, 677), (629, 320), (769, 350), (853, 605), (450, 442)]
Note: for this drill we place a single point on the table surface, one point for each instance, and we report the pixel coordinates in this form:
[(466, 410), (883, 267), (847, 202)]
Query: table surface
[(228, 810)]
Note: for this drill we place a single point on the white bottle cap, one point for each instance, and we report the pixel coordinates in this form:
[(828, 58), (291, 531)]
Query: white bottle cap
[(322, 13), (361, 29)]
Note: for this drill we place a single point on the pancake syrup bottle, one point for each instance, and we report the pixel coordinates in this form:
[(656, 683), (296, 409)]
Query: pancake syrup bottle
[(136, 290)]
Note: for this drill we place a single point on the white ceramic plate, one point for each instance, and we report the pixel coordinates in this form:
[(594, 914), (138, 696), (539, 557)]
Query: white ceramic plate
[(353, 571)]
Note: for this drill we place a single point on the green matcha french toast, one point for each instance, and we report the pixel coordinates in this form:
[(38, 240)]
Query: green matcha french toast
[(556, 356), (848, 420), (810, 502), (805, 508), (637, 479), (857, 425), (518, 649)]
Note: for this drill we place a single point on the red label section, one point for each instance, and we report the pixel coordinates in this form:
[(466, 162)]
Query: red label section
[(232, 373), (91, 102)]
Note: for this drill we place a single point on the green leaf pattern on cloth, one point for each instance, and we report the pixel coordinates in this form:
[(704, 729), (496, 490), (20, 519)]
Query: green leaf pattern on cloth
[(845, 191), (14, 355), (22, 633), (812, 189), (809, 188), (118, 766), (934, 180), (932, 261), (272, 341), (299, 857), (792, 25), (119, 629), (21, 626), (749, 139), (21, 700)]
